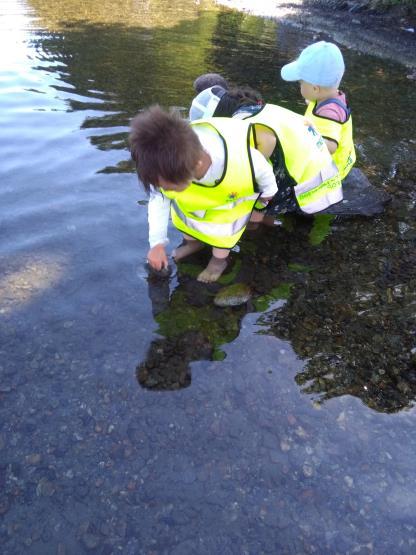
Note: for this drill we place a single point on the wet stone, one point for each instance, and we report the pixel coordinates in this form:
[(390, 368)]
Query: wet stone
[(34, 458), (233, 295), (307, 470), (45, 488), (90, 541), (81, 489)]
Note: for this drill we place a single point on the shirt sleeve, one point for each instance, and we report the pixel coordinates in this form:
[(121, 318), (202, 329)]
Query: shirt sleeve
[(158, 211), (332, 111), (263, 173)]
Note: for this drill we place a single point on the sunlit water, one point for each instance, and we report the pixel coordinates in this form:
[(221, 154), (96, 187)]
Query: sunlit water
[(301, 440)]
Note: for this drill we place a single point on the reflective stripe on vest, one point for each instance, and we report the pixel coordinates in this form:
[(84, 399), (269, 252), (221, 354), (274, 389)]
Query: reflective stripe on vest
[(306, 159), (212, 228), (320, 191), (229, 206)]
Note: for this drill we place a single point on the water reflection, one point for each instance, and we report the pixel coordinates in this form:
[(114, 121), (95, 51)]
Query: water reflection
[(113, 60), (55, 15), (190, 325)]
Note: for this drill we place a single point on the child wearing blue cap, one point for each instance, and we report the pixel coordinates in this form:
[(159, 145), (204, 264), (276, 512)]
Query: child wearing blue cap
[(319, 70)]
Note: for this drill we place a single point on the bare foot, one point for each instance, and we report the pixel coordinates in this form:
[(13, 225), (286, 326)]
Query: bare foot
[(212, 272), (186, 249)]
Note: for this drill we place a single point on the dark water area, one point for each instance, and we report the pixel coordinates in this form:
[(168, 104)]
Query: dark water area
[(136, 416)]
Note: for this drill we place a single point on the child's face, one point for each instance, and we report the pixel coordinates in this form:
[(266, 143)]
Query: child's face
[(309, 91)]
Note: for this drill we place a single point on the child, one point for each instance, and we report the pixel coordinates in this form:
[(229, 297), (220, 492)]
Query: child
[(208, 80), (307, 177), (210, 179), (319, 69)]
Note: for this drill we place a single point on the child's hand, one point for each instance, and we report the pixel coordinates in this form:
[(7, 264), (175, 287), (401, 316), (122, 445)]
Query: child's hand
[(157, 257)]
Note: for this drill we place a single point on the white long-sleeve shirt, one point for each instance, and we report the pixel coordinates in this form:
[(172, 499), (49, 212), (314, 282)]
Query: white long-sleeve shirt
[(159, 205)]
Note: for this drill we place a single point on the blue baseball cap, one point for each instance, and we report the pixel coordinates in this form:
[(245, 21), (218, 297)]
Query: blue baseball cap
[(320, 64)]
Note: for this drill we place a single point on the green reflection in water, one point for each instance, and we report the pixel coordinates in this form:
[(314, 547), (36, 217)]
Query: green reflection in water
[(55, 15), (296, 267), (192, 328), (181, 317), (321, 228), (263, 302)]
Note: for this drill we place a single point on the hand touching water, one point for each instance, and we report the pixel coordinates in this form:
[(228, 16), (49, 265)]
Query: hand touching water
[(157, 257)]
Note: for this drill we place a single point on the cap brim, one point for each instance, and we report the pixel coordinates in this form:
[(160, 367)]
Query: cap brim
[(290, 72)]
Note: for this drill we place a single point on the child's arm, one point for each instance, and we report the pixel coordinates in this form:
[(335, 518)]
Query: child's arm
[(264, 175), (158, 218), (332, 145), (266, 141)]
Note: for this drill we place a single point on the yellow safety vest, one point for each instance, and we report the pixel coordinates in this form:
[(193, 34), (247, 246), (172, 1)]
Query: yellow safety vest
[(217, 214), (307, 161), (344, 156)]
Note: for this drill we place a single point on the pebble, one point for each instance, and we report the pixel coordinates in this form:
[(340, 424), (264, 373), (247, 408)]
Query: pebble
[(91, 541), (45, 488), (233, 295), (307, 470), (34, 458), (349, 481)]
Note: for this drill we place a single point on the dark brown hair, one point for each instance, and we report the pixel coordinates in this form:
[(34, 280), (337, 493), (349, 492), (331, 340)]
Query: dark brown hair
[(163, 145), (236, 98)]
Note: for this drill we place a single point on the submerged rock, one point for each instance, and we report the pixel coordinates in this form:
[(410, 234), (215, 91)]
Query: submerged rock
[(233, 295), (361, 198)]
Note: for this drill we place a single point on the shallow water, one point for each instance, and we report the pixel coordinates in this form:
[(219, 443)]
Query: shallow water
[(295, 431)]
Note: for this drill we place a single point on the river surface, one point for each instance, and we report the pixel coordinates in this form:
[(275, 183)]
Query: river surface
[(135, 416)]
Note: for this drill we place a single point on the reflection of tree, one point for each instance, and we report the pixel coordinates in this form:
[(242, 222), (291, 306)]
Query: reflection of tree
[(115, 65), (252, 60), (56, 14)]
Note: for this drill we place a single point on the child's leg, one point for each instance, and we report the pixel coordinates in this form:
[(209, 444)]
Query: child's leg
[(256, 216), (216, 265), (256, 219), (189, 246)]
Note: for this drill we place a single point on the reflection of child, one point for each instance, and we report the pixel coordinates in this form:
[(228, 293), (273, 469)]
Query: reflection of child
[(210, 179), (319, 69)]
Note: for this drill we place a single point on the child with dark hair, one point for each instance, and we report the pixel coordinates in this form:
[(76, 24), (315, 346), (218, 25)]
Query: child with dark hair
[(210, 180), (208, 80), (308, 180)]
